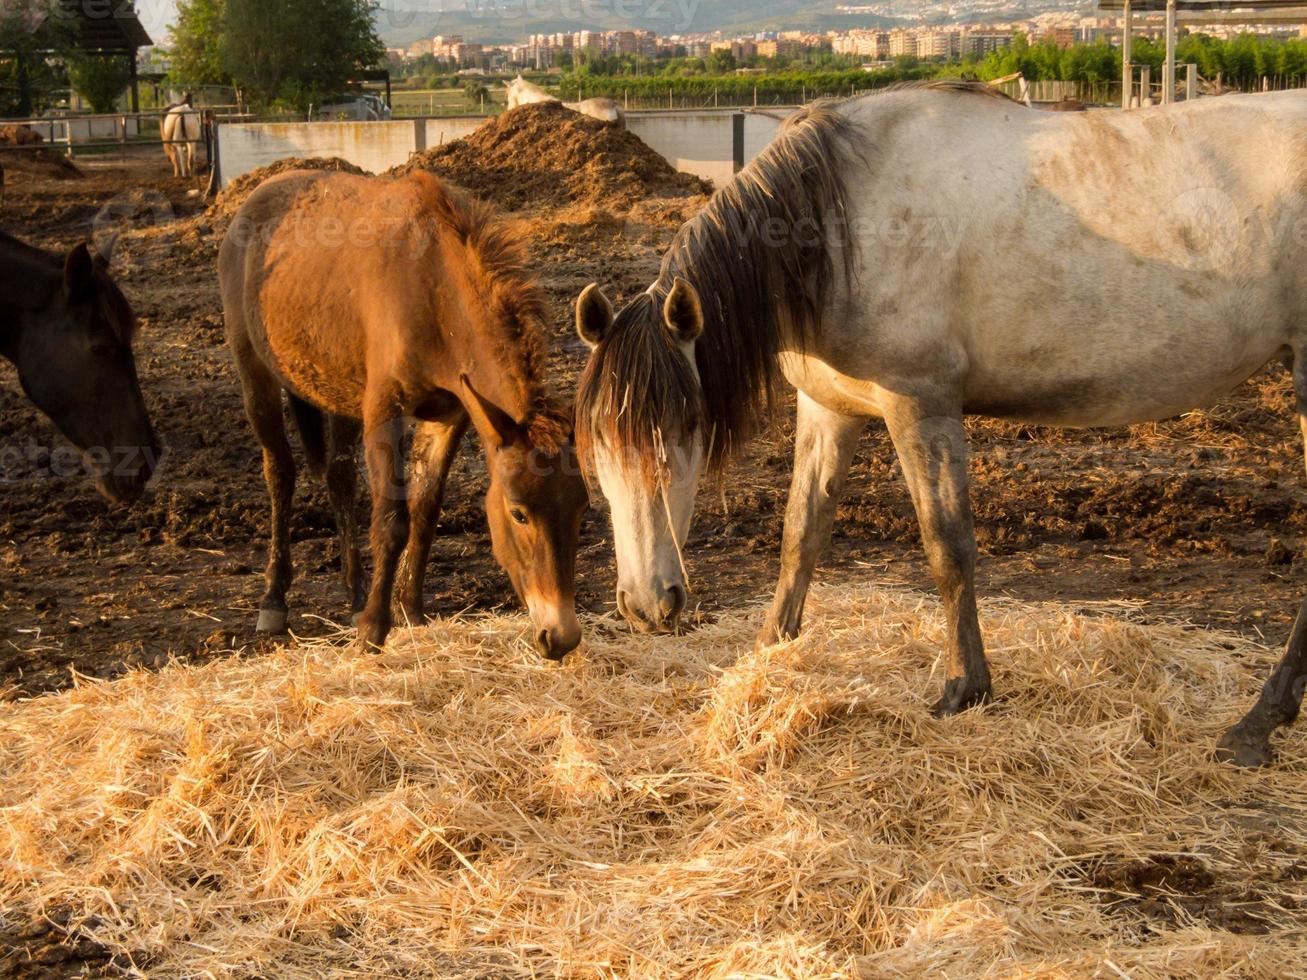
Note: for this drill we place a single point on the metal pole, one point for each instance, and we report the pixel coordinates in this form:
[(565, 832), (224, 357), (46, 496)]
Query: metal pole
[(1127, 67), (1168, 72), (1191, 83)]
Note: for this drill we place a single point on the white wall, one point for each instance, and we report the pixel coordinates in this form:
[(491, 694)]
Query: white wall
[(96, 128), (374, 146), (697, 142)]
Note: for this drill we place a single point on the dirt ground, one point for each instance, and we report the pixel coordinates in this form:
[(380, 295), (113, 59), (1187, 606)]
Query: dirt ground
[(1201, 518)]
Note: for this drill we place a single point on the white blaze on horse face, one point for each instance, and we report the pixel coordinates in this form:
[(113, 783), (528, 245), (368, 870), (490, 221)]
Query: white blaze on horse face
[(650, 526)]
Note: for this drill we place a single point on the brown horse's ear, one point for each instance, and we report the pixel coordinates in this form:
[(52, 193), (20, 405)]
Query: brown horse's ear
[(683, 312), (79, 272), (490, 420), (594, 315)]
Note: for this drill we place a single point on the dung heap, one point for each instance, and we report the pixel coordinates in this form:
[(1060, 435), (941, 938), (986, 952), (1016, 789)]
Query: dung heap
[(34, 155), (239, 190), (545, 155)]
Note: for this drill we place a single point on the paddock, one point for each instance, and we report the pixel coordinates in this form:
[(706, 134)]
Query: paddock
[(184, 796)]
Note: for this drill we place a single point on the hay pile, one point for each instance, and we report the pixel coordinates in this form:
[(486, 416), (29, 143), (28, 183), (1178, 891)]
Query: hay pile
[(548, 156), (671, 806), (226, 204)]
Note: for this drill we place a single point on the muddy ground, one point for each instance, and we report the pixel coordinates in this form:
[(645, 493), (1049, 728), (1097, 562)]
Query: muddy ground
[(1199, 519)]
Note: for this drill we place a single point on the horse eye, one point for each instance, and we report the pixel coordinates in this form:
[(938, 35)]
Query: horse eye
[(518, 515)]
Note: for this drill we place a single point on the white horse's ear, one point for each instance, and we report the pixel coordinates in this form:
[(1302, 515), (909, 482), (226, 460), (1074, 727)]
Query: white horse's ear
[(683, 313), (492, 422), (594, 315)]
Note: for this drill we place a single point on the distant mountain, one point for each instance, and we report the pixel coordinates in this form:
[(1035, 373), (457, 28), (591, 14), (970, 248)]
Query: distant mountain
[(487, 21)]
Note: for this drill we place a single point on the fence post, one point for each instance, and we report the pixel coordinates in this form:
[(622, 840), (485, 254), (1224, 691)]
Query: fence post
[(737, 141)]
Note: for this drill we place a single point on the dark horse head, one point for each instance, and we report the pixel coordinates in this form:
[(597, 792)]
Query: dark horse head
[(68, 330)]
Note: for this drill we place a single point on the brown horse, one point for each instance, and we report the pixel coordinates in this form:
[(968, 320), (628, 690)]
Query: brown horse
[(384, 301), (68, 330)]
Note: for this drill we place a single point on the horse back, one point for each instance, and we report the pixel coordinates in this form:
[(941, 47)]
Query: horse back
[(1088, 268), (328, 277)]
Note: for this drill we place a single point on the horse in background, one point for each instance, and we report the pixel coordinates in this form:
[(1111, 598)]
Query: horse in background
[(67, 328), (182, 129), (521, 92), (375, 303)]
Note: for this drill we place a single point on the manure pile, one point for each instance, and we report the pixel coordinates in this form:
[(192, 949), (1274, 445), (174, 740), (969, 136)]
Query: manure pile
[(546, 155), (33, 155), (226, 204), (671, 806)]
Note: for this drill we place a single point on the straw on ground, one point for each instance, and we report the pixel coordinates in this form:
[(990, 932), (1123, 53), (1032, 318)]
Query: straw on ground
[(671, 806)]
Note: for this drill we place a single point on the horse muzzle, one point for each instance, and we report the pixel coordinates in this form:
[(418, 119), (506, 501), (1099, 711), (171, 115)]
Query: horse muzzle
[(121, 485), (658, 612)]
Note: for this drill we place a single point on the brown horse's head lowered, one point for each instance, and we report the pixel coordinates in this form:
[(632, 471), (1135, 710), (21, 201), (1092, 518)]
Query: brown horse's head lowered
[(68, 329), (534, 507)]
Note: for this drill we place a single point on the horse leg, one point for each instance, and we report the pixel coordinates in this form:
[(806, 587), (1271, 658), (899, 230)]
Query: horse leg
[(383, 451), (342, 488), (823, 449), (1249, 742), (434, 447), (932, 449), (263, 406)]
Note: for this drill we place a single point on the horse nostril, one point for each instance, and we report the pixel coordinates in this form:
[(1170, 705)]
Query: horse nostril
[(622, 606), (542, 643), (673, 602)]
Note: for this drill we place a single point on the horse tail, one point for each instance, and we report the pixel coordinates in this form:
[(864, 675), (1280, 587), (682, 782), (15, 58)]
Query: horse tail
[(312, 426)]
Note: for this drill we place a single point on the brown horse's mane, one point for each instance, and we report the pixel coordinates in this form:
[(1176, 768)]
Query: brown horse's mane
[(515, 299), (46, 280)]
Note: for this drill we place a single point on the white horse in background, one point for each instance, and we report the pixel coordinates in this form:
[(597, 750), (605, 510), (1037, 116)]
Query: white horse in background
[(521, 92), (182, 129)]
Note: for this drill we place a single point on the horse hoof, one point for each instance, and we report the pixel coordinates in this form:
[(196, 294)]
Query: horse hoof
[(773, 636), (1247, 753), (271, 621), (958, 697)]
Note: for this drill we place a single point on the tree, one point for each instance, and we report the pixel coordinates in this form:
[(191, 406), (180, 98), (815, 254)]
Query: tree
[(298, 51), (30, 31), (99, 79), (721, 61), (197, 43)]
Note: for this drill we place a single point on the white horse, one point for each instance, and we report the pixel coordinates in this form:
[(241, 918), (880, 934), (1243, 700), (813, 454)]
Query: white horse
[(933, 252), (521, 92), (182, 129)]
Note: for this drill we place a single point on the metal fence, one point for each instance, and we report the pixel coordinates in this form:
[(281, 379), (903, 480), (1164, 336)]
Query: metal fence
[(107, 131)]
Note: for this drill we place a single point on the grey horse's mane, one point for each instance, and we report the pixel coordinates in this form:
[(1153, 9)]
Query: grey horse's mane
[(763, 256)]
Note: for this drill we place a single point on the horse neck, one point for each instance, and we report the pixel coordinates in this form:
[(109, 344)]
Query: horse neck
[(25, 284), (502, 379)]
